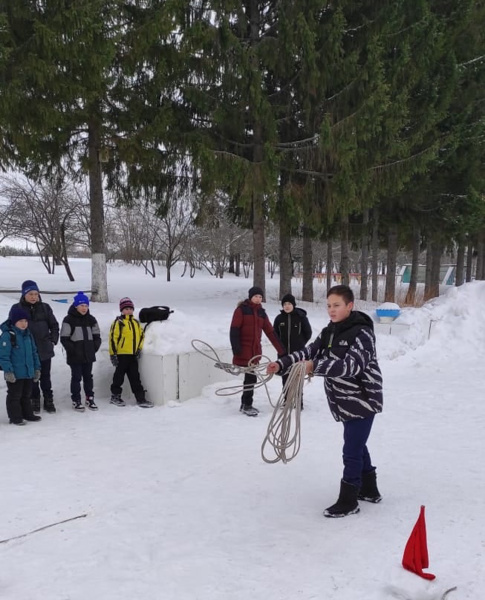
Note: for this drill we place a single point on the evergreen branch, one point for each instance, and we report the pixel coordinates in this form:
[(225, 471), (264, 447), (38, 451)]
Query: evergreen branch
[(232, 155), (299, 143), (401, 161), (470, 62)]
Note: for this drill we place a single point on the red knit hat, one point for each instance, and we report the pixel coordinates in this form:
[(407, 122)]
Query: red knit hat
[(126, 303), (415, 557)]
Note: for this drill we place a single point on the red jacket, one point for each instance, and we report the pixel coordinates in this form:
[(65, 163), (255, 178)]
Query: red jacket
[(248, 323)]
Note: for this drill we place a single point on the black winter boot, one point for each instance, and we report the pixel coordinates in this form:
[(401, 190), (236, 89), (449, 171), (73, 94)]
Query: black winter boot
[(368, 490), (49, 404), (347, 502), (36, 405)]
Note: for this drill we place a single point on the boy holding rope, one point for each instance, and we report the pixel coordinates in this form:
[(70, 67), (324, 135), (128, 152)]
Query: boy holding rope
[(248, 322), (344, 354)]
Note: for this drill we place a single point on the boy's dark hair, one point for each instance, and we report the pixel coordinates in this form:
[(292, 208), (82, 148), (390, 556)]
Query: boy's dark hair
[(342, 290)]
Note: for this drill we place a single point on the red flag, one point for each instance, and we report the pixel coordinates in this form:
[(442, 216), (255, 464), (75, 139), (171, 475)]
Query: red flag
[(415, 557)]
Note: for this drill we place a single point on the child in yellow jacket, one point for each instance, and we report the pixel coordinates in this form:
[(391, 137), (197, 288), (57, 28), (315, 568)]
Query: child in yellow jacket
[(125, 343)]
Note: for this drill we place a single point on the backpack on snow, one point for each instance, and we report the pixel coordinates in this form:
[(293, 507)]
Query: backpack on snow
[(154, 313)]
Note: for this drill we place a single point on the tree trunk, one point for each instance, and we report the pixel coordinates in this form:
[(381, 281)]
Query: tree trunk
[(390, 292), (285, 259), (257, 195), (307, 284), (238, 265), (427, 279), (436, 252), (99, 279), (460, 262), (344, 246), (364, 261), (479, 265), (329, 263), (258, 243), (375, 254), (413, 281), (469, 261)]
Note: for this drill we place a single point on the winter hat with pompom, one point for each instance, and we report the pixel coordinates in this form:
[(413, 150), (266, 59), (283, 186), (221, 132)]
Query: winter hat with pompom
[(126, 303), (80, 298)]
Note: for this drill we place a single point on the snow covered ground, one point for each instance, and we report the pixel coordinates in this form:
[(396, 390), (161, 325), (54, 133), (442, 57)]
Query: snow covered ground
[(179, 504)]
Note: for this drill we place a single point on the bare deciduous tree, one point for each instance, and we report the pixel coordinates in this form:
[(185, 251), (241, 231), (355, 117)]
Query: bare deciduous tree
[(46, 212)]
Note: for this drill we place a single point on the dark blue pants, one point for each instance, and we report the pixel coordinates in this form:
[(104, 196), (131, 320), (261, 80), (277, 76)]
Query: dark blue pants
[(45, 383), (84, 372), (355, 454)]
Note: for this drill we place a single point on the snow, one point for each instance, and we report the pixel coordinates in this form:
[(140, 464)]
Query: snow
[(179, 504)]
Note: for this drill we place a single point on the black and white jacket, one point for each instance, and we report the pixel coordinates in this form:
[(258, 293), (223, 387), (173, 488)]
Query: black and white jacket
[(345, 355), (80, 337)]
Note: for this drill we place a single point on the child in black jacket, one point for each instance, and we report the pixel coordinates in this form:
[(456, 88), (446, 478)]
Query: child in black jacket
[(81, 338), (45, 329), (345, 355), (292, 327)]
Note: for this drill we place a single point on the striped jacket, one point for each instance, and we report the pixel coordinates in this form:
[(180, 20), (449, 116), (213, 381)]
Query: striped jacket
[(345, 355), (125, 336)]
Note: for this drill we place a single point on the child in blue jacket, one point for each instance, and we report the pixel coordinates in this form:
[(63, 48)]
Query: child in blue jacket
[(20, 363)]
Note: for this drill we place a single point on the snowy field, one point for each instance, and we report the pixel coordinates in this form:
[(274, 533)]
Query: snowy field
[(179, 504)]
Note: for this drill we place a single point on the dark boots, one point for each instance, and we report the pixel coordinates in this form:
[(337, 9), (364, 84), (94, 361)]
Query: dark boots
[(347, 502), (49, 404), (368, 490)]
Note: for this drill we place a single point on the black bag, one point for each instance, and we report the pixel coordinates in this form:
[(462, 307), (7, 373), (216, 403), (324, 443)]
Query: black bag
[(154, 313)]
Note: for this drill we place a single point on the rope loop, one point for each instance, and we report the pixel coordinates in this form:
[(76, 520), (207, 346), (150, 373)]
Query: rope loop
[(283, 433)]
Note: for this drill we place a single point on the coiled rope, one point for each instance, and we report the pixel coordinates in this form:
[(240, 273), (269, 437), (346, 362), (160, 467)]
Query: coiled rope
[(284, 431), (255, 366)]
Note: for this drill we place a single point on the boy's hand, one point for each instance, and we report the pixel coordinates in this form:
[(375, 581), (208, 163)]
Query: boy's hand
[(273, 367), (114, 360), (36, 377), (10, 377)]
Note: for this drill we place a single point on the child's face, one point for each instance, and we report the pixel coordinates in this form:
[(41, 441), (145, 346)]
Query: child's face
[(288, 307), (22, 324), (82, 308), (337, 309), (127, 311), (32, 297), (257, 299)]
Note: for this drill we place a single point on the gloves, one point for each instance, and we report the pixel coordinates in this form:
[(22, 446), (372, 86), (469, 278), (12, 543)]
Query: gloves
[(36, 375), (137, 354), (114, 360), (10, 377)]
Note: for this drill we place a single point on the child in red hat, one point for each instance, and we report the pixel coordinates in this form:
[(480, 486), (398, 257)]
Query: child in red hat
[(125, 343)]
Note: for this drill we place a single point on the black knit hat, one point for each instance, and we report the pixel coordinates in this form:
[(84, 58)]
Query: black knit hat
[(288, 298), (254, 291), (18, 314)]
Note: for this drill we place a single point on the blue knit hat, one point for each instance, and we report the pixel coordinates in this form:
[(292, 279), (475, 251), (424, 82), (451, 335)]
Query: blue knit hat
[(80, 298), (17, 314), (29, 286)]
